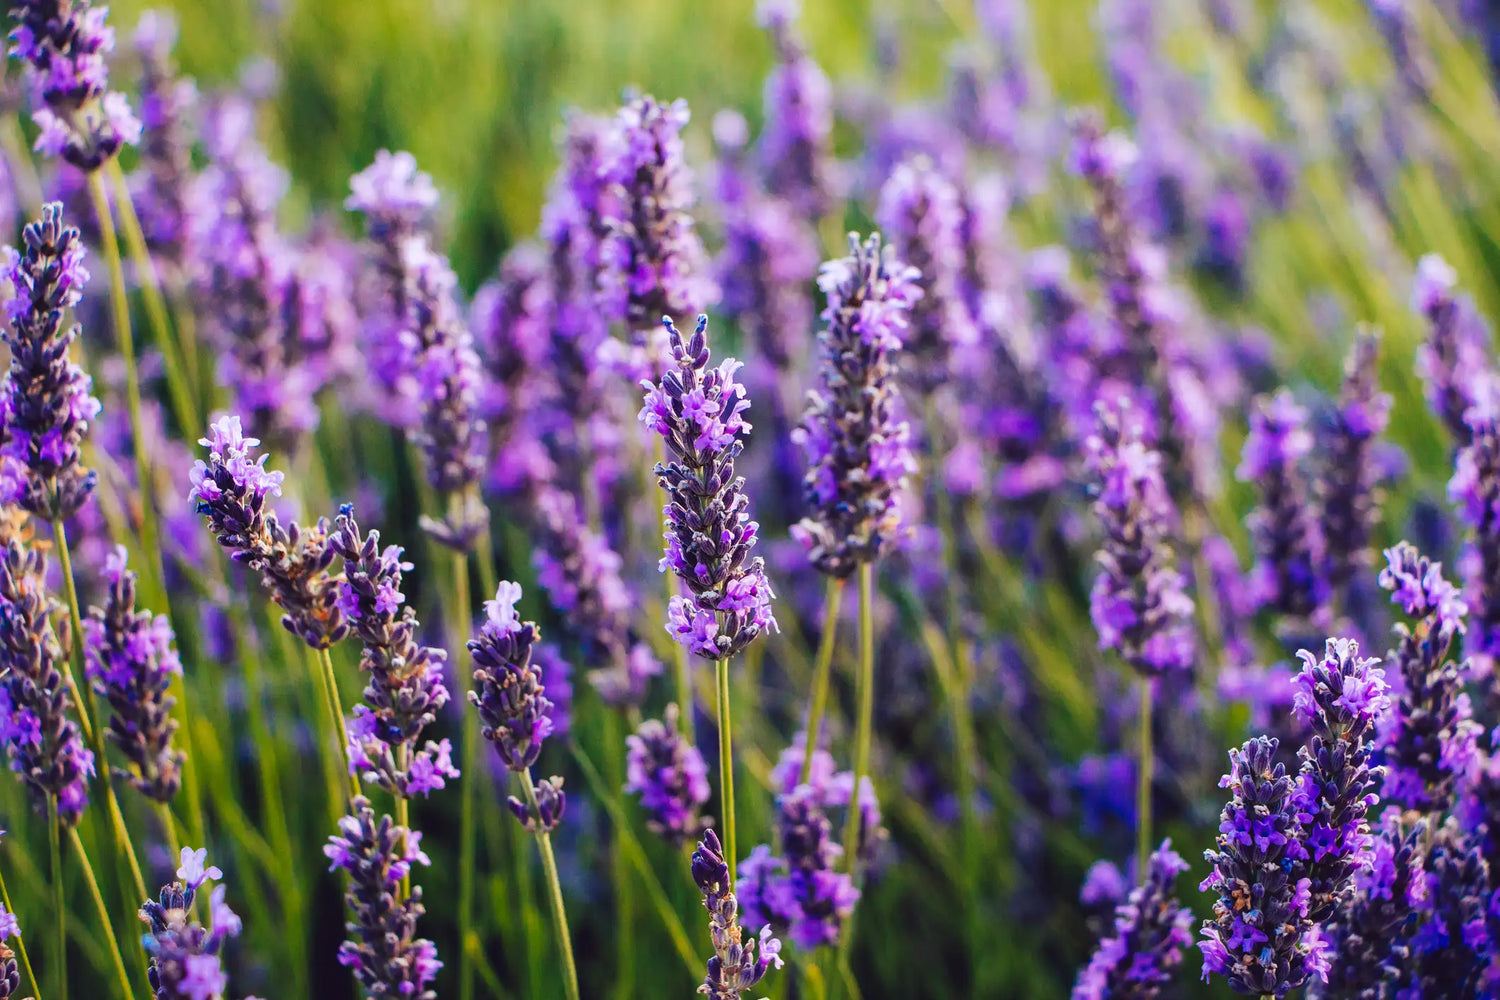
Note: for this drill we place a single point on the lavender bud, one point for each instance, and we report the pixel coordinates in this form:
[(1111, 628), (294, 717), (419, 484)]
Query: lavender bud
[(47, 406), (698, 412), (185, 957), (1151, 929), (858, 450), (1475, 490), (1288, 538), (734, 966), (550, 805), (162, 188), (669, 775), (508, 690), (128, 656), (795, 146), (1453, 361), (1347, 491), (1451, 947), (10, 975), (800, 893)]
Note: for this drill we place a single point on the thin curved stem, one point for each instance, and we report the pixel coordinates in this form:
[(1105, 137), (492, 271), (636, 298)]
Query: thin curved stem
[(554, 893), (334, 707), (833, 603), (403, 815), (54, 847), (473, 765), (99, 904), (726, 763), (1143, 785), (865, 719), (36, 987), (169, 828)]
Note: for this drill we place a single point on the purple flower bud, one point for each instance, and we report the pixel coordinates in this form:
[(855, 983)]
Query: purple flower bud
[(162, 185), (508, 690), (128, 656), (1368, 938), (669, 775), (1453, 362), (1475, 490), (734, 966), (1288, 537), (185, 956), (795, 145), (1347, 491), (1151, 929), (1451, 946), (551, 802), (800, 893), (857, 447)]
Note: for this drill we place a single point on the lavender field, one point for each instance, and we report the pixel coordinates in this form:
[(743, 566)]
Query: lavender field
[(907, 499)]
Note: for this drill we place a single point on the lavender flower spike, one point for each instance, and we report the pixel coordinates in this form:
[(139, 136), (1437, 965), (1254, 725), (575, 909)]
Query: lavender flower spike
[(801, 891), (795, 146), (734, 967), (669, 775), (1151, 929), (383, 951), (1453, 362), (1475, 490), (858, 450), (10, 975), (710, 537), (184, 955), (47, 406), (45, 747), (64, 43), (1288, 538), (1139, 603), (1346, 493), (128, 656)]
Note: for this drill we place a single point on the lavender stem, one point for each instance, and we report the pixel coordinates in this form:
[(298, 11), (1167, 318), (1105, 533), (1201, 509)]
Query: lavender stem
[(403, 813), (865, 699), (99, 904), (335, 706), (1143, 783), (726, 762), (36, 987), (60, 912), (169, 828), (472, 768), (833, 602), (554, 891)]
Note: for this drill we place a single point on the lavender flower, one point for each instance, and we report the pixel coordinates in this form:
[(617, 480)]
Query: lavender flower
[(1258, 936), (1453, 362), (162, 190), (669, 775), (1288, 538), (800, 892), (230, 490), (185, 957), (10, 975), (652, 262), (128, 656), (858, 450), (1342, 698), (1347, 497), (405, 691), (64, 43), (1151, 929), (1430, 742), (511, 318), (383, 951), (734, 967), (1451, 947), (1475, 490), (710, 537), (43, 743), (1139, 603), (795, 147), (921, 214), (551, 802), (47, 406)]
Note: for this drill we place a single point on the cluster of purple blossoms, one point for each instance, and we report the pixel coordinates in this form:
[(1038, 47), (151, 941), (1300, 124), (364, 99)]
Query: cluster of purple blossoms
[(1452, 947), (1347, 497), (1139, 604), (185, 957), (230, 489), (64, 43), (1288, 536), (1453, 363), (512, 702), (795, 146), (669, 775), (46, 404), (652, 263), (921, 214), (10, 975), (1430, 743), (44, 744), (162, 186), (382, 950), (858, 449), (1150, 931), (1475, 490), (735, 965), (405, 690), (698, 410), (128, 656), (800, 891)]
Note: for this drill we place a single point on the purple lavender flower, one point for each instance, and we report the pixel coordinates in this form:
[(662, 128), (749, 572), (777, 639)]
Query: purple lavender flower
[(551, 802), (405, 691), (652, 262), (162, 187), (1430, 742), (1288, 538), (185, 956), (64, 43), (669, 775), (1257, 937), (1453, 362), (1139, 603), (383, 951), (1342, 697), (800, 892), (698, 410), (1451, 947), (858, 449), (47, 406), (128, 656), (1347, 495), (735, 966), (230, 490), (1475, 490), (1151, 929), (10, 975), (44, 744), (795, 145), (921, 214)]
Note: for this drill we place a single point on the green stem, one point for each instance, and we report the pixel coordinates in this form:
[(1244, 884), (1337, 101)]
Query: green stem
[(1143, 785), (36, 987), (335, 707), (403, 816), (833, 604), (54, 846), (864, 722), (726, 763), (555, 897), (109, 931), (473, 765), (169, 828)]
